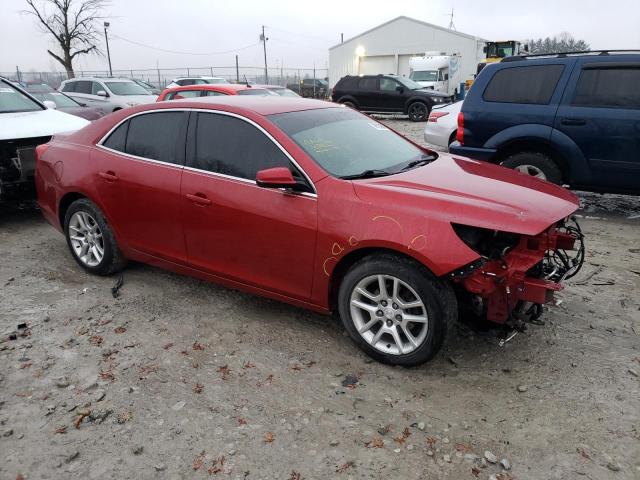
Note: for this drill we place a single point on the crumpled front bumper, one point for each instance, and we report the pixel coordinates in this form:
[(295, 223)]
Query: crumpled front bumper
[(503, 284)]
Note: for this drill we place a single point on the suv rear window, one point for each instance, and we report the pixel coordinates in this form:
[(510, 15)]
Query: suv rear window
[(608, 87), (347, 83), (532, 84)]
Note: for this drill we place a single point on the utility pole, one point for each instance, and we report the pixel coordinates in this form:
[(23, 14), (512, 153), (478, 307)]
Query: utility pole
[(237, 70), (264, 39), (342, 38), (106, 39)]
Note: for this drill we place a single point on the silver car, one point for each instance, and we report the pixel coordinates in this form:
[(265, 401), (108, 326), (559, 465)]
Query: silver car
[(98, 91)]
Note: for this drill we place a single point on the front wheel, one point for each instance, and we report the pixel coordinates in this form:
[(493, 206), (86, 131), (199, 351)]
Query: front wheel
[(535, 164), (90, 239), (395, 310), (418, 112)]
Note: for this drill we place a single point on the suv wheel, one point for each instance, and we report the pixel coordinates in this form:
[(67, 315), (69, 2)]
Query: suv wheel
[(535, 164), (90, 239), (395, 310), (349, 104), (418, 112)]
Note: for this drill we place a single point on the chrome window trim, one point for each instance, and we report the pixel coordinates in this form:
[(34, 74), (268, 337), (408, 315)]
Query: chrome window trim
[(100, 144)]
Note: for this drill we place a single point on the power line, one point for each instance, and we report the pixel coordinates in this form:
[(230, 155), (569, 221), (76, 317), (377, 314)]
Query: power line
[(235, 50)]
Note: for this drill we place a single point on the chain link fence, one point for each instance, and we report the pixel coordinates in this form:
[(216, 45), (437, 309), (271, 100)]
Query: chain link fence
[(293, 78)]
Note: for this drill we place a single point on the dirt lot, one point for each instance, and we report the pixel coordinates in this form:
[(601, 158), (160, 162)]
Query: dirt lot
[(177, 378)]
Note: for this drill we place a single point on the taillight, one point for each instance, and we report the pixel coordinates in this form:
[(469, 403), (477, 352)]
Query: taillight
[(40, 149), (434, 116), (460, 131)]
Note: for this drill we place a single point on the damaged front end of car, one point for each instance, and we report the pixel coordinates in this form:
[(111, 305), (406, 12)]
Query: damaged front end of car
[(516, 275)]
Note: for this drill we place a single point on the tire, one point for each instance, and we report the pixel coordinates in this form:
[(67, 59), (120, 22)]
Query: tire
[(86, 230), (350, 104), (418, 111), (437, 311), (535, 164)]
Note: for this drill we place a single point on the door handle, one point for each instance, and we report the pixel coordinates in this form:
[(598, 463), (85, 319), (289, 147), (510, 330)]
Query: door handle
[(109, 176), (573, 121), (199, 199)]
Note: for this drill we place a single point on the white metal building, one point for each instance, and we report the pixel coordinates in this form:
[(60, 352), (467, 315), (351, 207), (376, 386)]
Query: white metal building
[(388, 47)]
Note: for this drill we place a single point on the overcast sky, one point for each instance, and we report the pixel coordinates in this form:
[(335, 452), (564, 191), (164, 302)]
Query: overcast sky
[(300, 32)]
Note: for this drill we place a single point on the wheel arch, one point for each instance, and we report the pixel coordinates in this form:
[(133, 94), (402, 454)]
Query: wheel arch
[(346, 262), (537, 145), (348, 98), (65, 202)]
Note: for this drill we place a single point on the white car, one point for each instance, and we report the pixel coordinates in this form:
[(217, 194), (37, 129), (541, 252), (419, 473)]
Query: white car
[(442, 125), (96, 91), (183, 81), (26, 123)]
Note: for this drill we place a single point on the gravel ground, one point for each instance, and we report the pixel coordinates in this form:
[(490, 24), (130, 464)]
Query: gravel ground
[(177, 378)]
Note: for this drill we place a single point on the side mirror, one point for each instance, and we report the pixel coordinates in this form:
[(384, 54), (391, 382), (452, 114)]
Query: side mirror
[(102, 93), (50, 105), (278, 177)]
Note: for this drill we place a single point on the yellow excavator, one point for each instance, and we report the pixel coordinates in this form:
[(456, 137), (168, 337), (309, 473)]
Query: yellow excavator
[(496, 51)]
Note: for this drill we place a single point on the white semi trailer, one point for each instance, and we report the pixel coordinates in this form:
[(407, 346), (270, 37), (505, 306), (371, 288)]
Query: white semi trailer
[(437, 71)]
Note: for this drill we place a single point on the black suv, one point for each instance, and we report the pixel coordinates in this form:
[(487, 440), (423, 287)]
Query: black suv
[(569, 118), (387, 94)]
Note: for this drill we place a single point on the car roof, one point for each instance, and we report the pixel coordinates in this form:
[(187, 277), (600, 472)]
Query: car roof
[(196, 77), (100, 79), (258, 104), (215, 87)]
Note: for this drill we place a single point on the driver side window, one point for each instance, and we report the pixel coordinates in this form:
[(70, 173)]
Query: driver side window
[(388, 84)]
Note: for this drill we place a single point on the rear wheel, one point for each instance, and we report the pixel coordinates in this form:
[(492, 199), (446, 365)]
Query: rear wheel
[(349, 104), (90, 239), (395, 310), (418, 112), (535, 164)]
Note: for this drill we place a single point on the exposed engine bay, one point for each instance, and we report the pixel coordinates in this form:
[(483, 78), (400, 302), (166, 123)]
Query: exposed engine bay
[(17, 166), (518, 274)]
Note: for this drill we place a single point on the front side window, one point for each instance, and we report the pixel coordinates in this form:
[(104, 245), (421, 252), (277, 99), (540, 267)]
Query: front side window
[(83, 86), (388, 84), (96, 87), (183, 94), (234, 147), (157, 136), (532, 84), (346, 143), (608, 87), (13, 100)]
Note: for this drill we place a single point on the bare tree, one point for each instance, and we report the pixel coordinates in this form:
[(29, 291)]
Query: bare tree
[(73, 24)]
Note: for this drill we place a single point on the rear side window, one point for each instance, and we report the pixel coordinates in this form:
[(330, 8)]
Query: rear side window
[(83, 86), (69, 87), (347, 83), (158, 136), (234, 147), (118, 138), (533, 84), (183, 94), (608, 87), (368, 83)]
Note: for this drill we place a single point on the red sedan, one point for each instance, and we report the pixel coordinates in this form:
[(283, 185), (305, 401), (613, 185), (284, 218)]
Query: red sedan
[(211, 90), (313, 204)]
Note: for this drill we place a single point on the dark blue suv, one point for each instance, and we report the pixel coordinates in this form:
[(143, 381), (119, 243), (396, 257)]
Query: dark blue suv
[(567, 118)]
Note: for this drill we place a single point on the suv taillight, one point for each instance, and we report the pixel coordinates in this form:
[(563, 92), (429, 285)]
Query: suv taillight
[(460, 131)]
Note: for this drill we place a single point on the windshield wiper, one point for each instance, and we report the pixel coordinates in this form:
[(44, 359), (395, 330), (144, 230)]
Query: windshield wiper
[(418, 163), (367, 174)]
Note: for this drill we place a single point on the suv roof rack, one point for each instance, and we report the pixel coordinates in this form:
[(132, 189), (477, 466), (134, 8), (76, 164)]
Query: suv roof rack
[(516, 58)]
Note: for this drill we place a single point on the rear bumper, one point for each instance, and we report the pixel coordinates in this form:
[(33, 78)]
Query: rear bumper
[(485, 154)]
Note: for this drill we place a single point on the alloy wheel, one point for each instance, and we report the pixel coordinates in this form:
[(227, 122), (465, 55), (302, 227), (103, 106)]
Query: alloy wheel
[(417, 111), (388, 314), (86, 239)]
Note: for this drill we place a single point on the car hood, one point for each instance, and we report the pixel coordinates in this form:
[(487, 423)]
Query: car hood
[(470, 192), (40, 123)]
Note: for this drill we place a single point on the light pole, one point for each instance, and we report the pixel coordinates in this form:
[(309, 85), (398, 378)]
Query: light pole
[(106, 39)]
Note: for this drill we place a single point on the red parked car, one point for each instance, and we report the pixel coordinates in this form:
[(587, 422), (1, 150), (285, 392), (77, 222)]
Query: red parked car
[(314, 204), (211, 90)]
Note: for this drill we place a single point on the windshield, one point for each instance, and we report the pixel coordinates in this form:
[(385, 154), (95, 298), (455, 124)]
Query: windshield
[(410, 84), (424, 76), (59, 99), (126, 88), (13, 100), (254, 91), (346, 143), (500, 49)]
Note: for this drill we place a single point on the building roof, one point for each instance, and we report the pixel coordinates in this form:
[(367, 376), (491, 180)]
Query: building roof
[(414, 20)]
